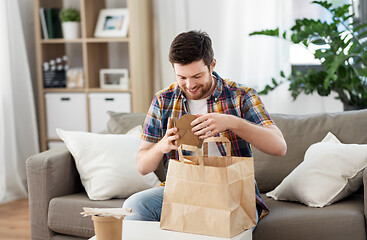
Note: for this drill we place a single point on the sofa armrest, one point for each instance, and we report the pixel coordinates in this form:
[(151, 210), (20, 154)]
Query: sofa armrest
[(49, 174), (365, 193)]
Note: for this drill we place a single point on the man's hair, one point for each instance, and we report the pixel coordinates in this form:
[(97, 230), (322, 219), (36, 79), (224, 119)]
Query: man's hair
[(190, 47)]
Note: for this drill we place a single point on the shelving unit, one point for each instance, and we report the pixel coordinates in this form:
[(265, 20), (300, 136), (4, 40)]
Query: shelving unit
[(95, 56)]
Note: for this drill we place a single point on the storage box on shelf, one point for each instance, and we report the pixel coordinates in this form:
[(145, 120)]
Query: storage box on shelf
[(100, 103), (65, 111), (133, 52)]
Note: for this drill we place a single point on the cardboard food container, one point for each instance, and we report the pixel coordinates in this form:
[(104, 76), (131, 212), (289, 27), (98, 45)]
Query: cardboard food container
[(107, 228), (184, 131)]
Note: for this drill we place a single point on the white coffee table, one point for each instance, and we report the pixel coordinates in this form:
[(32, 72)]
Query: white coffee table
[(143, 230)]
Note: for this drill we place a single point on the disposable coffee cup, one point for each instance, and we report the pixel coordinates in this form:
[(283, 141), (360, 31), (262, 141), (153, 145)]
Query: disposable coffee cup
[(107, 228)]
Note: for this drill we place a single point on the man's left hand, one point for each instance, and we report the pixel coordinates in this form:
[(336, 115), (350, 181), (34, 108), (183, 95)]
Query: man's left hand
[(208, 125)]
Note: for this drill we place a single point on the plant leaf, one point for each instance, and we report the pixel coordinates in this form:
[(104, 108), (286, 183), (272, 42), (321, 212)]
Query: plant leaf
[(357, 28), (282, 74), (361, 35), (268, 32), (319, 41), (324, 4)]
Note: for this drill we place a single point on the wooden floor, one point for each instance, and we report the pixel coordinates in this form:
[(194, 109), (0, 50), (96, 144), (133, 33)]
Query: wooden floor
[(14, 220)]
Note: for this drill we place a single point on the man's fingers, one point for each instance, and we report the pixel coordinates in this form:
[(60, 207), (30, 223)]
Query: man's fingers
[(173, 142), (198, 120), (200, 126), (171, 131), (209, 134), (170, 123), (173, 138), (204, 131)]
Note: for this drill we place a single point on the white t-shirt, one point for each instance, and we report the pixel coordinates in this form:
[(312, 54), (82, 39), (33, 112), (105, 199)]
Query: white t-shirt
[(201, 107)]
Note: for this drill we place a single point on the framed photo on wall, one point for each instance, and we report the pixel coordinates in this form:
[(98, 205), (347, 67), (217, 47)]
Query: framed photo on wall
[(112, 22), (114, 78)]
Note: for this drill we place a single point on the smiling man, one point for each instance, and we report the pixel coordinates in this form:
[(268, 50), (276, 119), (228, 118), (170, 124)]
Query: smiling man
[(224, 108)]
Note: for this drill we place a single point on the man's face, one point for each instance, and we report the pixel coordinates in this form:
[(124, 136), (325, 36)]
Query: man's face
[(195, 79)]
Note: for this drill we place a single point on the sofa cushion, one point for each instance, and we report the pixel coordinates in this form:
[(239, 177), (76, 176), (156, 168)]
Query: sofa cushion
[(325, 172), (107, 163), (64, 214), (288, 220), (121, 123), (66, 237), (300, 132)]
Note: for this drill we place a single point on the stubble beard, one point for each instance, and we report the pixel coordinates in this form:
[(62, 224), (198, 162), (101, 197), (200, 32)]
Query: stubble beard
[(201, 91)]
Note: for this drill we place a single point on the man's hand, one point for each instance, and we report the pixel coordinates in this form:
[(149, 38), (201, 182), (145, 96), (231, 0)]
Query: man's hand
[(169, 141), (150, 154), (268, 139), (208, 125)]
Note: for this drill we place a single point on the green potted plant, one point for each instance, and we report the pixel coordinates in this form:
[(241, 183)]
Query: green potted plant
[(70, 19), (342, 52)]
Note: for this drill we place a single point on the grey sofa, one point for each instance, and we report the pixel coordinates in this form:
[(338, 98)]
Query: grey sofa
[(56, 196)]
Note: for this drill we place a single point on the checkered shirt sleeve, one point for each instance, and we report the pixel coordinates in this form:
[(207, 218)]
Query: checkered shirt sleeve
[(153, 122)]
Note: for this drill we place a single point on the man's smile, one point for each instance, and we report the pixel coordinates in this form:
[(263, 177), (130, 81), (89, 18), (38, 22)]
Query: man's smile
[(194, 90)]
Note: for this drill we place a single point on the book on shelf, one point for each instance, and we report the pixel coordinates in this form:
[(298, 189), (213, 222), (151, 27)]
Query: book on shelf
[(43, 24), (51, 24)]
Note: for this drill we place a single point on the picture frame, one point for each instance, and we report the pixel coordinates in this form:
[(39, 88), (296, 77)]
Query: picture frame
[(114, 78), (112, 22)]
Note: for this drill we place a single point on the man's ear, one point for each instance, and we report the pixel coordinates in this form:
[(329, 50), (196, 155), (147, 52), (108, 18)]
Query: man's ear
[(212, 65)]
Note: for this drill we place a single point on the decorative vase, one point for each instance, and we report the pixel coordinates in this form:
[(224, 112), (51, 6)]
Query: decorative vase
[(352, 107), (71, 30)]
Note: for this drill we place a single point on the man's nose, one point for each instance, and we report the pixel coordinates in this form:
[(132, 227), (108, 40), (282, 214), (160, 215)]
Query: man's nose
[(190, 83)]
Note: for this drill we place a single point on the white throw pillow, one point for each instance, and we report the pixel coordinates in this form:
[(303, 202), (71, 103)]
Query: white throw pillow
[(323, 176), (107, 163)]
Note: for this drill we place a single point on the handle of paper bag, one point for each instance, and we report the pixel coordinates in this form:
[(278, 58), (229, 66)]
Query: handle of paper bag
[(192, 149), (217, 139)]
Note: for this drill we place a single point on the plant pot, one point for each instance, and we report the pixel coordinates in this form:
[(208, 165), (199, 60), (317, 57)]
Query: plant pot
[(352, 107), (71, 30)]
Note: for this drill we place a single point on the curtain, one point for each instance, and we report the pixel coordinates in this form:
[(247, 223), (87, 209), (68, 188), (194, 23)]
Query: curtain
[(252, 61), (18, 126)]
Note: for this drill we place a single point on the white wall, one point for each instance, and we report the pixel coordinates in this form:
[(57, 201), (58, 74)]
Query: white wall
[(281, 101)]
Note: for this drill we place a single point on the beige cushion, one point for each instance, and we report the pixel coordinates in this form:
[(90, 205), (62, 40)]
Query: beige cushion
[(121, 123), (324, 173), (300, 132)]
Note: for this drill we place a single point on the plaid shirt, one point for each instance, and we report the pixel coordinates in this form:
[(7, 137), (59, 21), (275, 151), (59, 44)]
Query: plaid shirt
[(228, 98)]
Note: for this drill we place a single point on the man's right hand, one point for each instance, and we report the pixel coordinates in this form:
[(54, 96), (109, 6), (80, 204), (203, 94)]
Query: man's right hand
[(150, 154), (169, 141)]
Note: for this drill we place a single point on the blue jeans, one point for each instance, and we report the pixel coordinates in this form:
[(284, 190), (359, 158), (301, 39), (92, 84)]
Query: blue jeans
[(147, 205)]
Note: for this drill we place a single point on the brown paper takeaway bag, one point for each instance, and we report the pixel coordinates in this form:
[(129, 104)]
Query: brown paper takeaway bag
[(214, 197)]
